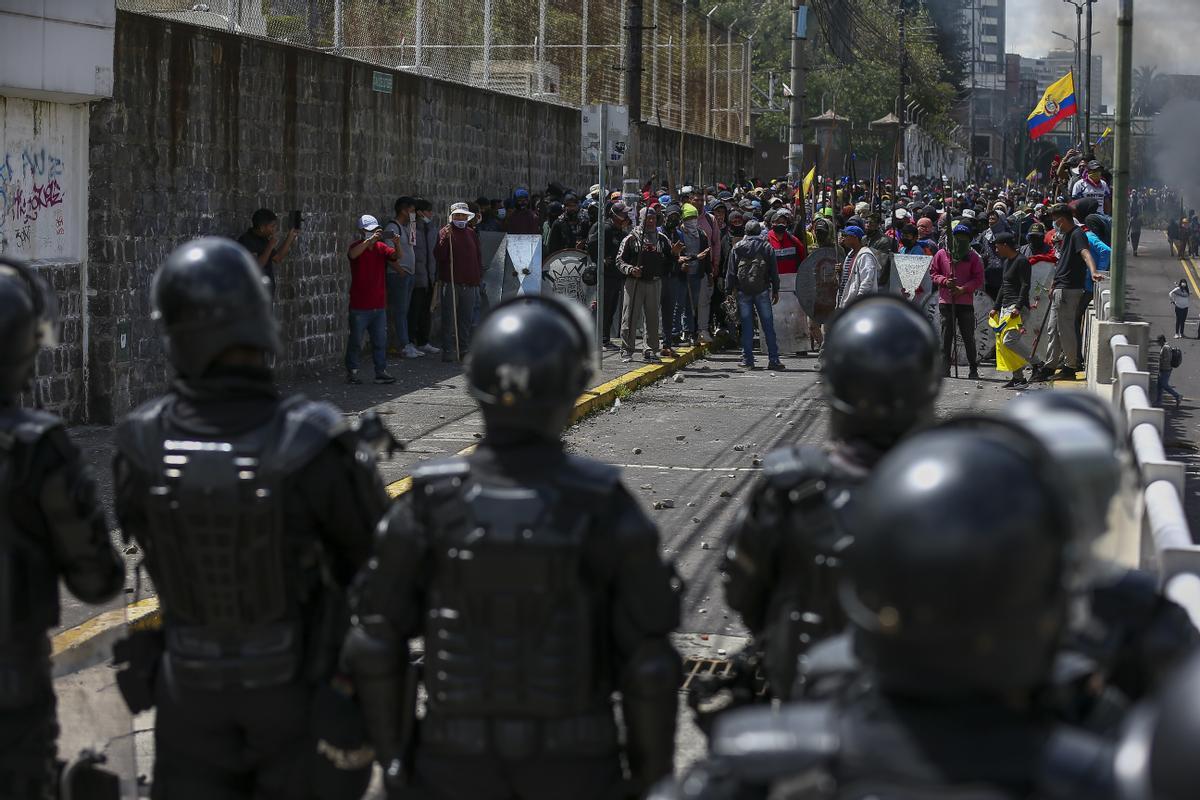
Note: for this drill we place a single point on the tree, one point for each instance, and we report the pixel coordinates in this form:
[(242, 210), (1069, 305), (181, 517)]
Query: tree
[(1150, 90)]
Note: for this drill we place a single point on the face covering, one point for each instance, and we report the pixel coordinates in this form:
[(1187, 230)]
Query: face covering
[(459, 223), (780, 229), (522, 203), (692, 225), (738, 230), (959, 247)]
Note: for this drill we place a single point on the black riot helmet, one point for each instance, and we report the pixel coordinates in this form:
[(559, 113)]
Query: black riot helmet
[(958, 581), (530, 359), (881, 369), (1156, 759), (209, 296), (28, 322)]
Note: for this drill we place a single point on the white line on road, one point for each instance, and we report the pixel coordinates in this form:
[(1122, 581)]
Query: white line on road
[(689, 469)]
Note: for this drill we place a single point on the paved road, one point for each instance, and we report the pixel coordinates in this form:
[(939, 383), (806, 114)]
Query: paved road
[(1150, 276)]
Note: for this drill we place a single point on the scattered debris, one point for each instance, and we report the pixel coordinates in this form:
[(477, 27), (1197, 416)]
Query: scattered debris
[(697, 428), (720, 651), (692, 504), (696, 520), (756, 462), (637, 451), (726, 493), (664, 503), (703, 546), (647, 486), (678, 378), (779, 415), (737, 448), (477, 435), (680, 438), (704, 611)]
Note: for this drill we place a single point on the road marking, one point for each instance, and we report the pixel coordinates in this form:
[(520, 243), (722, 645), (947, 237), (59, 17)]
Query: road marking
[(688, 469), (1189, 272)]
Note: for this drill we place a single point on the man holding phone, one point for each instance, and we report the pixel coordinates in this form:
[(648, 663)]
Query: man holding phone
[(262, 240), (370, 257)]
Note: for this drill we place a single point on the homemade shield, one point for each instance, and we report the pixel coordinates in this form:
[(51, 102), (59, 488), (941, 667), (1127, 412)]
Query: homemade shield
[(491, 244), (816, 283), (562, 274), (791, 323), (524, 262), (912, 272)]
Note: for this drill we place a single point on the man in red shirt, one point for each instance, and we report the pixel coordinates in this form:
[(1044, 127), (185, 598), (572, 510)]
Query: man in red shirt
[(369, 257)]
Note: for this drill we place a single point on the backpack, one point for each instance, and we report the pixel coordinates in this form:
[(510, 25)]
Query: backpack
[(752, 275), (1176, 357)]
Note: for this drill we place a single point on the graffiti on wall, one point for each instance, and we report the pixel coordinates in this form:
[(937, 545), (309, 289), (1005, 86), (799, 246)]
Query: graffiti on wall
[(41, 183)]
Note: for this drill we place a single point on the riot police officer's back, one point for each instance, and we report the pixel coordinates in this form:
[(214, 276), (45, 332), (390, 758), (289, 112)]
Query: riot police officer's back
[(51, 526), (254, 511), (536, 583), (881, 376), (956, 607)]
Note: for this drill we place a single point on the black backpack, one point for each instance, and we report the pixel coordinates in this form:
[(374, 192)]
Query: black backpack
[(1176, 357), (752, 274)]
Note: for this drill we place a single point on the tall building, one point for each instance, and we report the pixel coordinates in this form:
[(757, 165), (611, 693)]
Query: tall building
[(982, 24)]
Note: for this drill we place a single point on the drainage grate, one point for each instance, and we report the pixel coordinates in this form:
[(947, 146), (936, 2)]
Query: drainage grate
[(699, 668)]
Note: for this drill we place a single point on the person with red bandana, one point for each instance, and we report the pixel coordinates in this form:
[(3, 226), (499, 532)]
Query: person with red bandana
[(792, 326)]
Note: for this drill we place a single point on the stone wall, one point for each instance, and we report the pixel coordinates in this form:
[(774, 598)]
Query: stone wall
[(204, 127)]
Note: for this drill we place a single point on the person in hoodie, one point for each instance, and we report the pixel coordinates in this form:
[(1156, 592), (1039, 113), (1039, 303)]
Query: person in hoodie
[(690, 283), (567, 230), (645, 256), (957, 272), (522, 219)]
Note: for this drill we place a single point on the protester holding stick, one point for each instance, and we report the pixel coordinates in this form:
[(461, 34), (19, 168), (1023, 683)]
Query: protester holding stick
[(460, 270)]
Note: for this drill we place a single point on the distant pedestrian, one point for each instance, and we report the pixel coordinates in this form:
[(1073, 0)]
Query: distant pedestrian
[(957, 271), (424, 279), (1173, 241), (522, 219), (644, 257), (401, 275), (860, 272), (1181, 299), (1166, 365), (369, 260), (262, 240), (754, 277), (460, 271)]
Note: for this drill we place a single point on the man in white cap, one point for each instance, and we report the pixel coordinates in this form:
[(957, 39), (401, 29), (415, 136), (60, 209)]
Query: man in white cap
[(460, 271), (369, 258)]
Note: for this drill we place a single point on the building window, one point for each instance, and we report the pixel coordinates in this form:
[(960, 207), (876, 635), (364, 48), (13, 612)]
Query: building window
[(983, 147)]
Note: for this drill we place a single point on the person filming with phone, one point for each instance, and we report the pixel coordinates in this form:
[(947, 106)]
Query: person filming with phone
[(262, 240)]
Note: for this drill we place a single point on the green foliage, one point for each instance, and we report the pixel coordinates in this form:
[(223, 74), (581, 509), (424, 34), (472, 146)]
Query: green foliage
[(290, 28), (854, 60)]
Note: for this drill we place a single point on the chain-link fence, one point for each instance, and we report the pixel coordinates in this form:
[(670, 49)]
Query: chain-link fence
[(695, 73)]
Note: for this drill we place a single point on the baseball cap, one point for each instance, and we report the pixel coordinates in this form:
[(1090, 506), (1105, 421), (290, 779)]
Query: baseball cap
[(1093, 166), (901, 213), (962, 228), (368, 223), (968, 213), (687, 190), (689, 211), (1037, 229), (461, 208), (853, 230), (619, 209)]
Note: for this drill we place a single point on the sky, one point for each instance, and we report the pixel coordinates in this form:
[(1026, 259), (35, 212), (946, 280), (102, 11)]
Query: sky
[(1166, 33)]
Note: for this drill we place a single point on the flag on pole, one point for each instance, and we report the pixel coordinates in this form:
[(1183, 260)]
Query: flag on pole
[(1107, 133), (1056, 105), (808, 180), (1033, 173)]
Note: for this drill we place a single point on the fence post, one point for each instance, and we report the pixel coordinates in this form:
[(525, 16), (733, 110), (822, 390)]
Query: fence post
[(710, 79), (682, 65), (487, 43), (583, 49), (539, 53), (337, 26), (746, 119), (729, 82), (654, 62), (419, 40), (621, 34)]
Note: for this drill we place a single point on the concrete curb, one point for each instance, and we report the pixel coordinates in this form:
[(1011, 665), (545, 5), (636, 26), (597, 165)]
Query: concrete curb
[(90, 642)]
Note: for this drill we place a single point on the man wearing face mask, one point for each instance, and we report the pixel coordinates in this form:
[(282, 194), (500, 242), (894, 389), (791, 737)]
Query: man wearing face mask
[(1093, 185), (568, 230), (958, 272), (690, 282), (522, 219), (460, 270), (615, 229)]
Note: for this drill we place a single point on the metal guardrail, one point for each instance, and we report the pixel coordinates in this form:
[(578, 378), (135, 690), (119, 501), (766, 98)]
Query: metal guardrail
[(1175, 557)]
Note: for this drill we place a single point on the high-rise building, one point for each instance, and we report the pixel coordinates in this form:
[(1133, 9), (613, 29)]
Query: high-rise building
[(982, 25)]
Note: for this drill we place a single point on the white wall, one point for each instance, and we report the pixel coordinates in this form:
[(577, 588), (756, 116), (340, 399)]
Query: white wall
[(43, 179), (57, 49)]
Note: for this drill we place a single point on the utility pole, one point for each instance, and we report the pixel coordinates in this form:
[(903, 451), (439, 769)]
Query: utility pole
[(1087, 108), (633, 79), (971, 110), (1078, 66), (796, 110), (1124, 133), (903, 107)]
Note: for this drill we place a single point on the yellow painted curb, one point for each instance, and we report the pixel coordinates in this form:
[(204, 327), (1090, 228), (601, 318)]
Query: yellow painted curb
[(90, 642), (598, 397)]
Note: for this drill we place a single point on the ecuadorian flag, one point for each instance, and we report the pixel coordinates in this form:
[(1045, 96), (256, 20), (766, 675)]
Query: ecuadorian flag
[(1057, 104)]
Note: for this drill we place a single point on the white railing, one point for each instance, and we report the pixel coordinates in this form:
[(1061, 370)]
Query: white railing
[(1170, 550)]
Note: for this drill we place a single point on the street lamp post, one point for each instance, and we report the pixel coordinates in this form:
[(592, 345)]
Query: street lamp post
[(1078, 4), (1075, 76)]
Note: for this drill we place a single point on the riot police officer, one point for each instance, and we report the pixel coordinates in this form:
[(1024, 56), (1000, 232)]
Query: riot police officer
[(254, 511), (956, 606), (881, 376), (536, 582), (1157, 756), (51, 526)]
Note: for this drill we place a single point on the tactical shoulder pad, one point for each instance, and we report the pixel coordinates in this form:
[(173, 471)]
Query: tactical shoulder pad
[(28, 426), (1076, 763), (1126, 596), (763, 745), (590, 475), (136, 436), (306, 428), (796, 466)]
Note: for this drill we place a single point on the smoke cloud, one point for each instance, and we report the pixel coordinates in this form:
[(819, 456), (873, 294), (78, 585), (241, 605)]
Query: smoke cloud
[(1175, 149)]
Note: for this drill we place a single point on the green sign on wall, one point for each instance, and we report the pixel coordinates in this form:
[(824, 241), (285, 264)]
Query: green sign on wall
[(382, 82)]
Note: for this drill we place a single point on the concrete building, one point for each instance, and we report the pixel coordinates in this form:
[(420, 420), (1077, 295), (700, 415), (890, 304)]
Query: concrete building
[(982, 23), (56, 58)]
